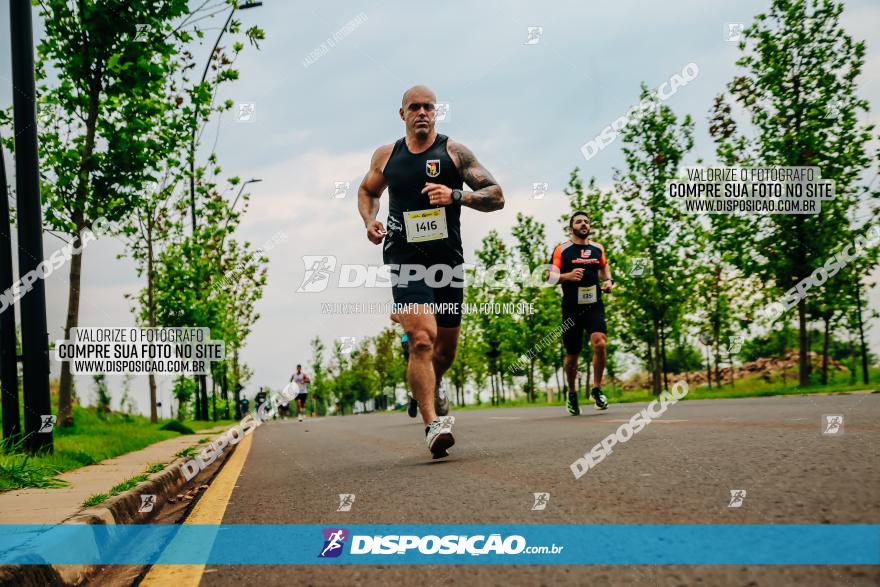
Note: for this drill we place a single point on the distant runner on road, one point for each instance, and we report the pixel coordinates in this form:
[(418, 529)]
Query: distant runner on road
[(302, 391), (424, 173), (581, 268)]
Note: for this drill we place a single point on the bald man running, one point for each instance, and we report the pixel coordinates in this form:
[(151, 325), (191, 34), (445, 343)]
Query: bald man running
[(424, 173)]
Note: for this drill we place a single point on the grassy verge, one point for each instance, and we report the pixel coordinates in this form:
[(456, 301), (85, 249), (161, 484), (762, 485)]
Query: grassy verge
[(748, 386), (92, 439), (116, 490)]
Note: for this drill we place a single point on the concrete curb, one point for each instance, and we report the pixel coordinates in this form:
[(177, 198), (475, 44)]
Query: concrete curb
[(119, 509)]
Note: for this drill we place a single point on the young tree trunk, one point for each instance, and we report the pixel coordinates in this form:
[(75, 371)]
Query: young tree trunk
[(492, 388), (655, 362), (197, 401), (236, 391), (203, 387), (531, 381), (663, 354), (804, 346), (225, 384), (862, 332), (708, 369), (151, 315), (556, 375), (825, 344), (65, 386), (717, 364)]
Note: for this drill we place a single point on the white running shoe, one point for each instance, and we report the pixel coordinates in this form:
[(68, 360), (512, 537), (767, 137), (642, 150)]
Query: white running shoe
[(439, 436), (300, 418)]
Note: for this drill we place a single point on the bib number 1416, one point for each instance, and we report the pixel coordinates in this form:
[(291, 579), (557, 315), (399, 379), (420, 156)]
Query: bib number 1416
[(425, 225)]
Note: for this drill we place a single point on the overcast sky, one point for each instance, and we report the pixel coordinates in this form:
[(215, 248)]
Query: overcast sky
[(524, 109)]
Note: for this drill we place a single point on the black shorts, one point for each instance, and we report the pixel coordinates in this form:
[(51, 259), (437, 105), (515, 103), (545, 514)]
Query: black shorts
[(301, 397), (583, 321), (446, 298)]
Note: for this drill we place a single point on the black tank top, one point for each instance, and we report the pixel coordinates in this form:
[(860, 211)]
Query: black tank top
[(406, 174)]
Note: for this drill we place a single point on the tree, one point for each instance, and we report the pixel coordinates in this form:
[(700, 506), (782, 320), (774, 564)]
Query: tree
[(106, 94), (654, 148), (494, 329), (799, 92), (320, 386), (150, 226), (529, 329)]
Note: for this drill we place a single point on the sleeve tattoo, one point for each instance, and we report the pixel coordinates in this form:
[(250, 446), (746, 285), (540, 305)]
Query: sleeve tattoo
[(487, 195)]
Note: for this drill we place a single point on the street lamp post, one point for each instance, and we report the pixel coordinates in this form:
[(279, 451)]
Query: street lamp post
[(241, 189), (202, 384), (192, 142)]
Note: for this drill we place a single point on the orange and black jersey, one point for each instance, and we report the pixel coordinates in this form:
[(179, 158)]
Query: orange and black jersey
[(569, 256)]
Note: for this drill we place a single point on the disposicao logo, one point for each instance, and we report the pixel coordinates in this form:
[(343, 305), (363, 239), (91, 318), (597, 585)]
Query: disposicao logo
[(334, 541)]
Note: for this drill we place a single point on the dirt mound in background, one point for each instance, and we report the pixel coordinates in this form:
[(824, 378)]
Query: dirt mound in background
[(766, 367)]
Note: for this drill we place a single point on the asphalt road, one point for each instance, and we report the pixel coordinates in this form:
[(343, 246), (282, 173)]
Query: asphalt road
[(680, 469)]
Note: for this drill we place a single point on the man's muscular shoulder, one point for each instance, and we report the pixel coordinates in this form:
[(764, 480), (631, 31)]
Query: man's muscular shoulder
[(459, 153), (381, 156)]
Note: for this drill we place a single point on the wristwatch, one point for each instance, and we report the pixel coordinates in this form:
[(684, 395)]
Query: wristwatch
[(456, 196)]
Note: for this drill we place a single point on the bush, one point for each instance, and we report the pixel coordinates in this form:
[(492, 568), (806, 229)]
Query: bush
[(177, 426)]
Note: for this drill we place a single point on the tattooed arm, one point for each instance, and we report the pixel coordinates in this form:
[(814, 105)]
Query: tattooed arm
[(487, 195)]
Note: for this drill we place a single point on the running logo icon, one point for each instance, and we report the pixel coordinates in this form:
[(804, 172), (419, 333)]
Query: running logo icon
[(346, 500), (832, 424), (318, 270), (534, 35), (432, 167), (47, 423), (334, 541), (541, 501), (734, 344), (737, 497), (539, 189), (148, 501), (341, 189), (347, 344), (442, 112), (639, 264)]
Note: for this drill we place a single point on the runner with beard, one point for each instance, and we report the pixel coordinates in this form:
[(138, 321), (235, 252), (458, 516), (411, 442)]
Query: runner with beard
[(580, 266), (424, 172)]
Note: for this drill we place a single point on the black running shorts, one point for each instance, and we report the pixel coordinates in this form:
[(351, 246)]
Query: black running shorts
[(439, 286), (584, 320)]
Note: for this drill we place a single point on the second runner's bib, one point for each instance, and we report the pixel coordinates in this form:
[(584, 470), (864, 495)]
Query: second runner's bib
[(587, 295)]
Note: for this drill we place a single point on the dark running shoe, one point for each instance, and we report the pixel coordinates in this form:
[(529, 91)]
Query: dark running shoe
[(600, 399), (572, 404)]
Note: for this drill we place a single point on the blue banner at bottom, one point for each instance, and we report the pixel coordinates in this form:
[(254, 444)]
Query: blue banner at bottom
[(650, 544)]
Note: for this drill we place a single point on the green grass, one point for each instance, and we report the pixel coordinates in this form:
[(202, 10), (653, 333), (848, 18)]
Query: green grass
[(95, 500), (21, 470), (128, 484), (90, 440), (117, 489), (198, 425), (751, 385), (187, 452), (204, 440), (155, 468)]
